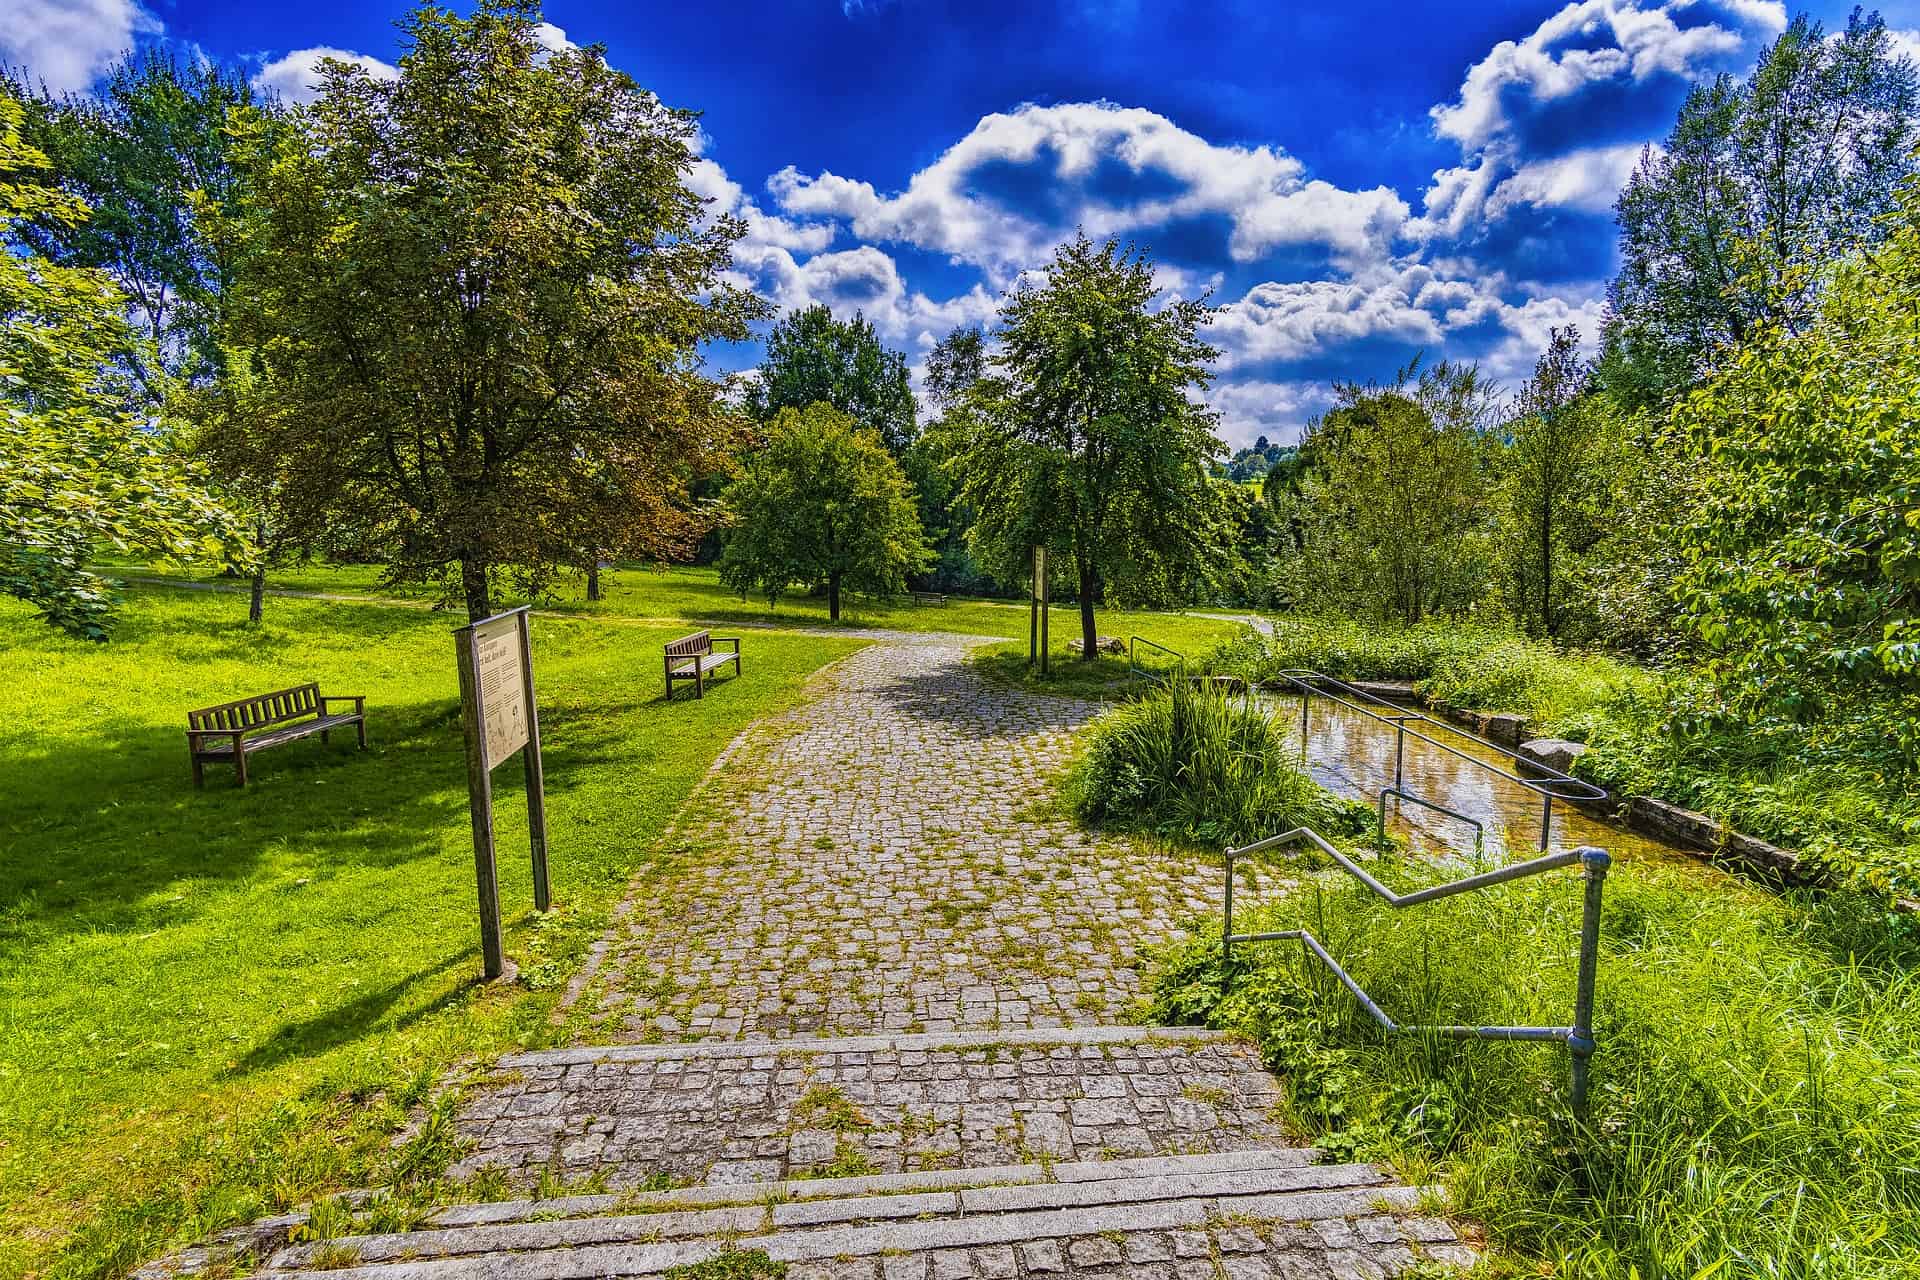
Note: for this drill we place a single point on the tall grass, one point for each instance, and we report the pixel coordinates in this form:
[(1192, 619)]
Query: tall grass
[(1197, 764), (1756, 1101)]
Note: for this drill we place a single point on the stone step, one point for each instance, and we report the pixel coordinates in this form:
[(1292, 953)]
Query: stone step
[(883, 1043), (773, 1111), (893, 1184), (1326, 1209)]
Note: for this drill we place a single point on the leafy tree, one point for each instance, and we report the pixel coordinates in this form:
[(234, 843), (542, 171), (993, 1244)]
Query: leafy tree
[(822, 502), (77, 470), (813, 357), (1759, 184), (1800, 542), (477, 293), (1084, 438), (1392, 504), (955, 364), (152, 157), (1552, 486)]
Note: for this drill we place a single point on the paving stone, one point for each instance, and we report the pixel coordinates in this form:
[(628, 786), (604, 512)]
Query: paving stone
[(994, 1263), (1094, 1251), (1042, 1257)]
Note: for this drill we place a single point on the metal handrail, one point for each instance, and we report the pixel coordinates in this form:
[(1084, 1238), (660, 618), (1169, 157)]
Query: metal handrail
[(1554, 786), (1144, 673), (1578, 1036)]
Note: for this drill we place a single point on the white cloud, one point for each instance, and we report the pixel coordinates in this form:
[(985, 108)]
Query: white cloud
[(552, 38), (1588, 180), (1277, 410), (865, 280), (1906, 44), (1586, 43), (67, 43), (1119, 171), (296, 76)]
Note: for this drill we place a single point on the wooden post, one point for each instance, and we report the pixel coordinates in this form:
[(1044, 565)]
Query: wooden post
[(480, 806), (536, 776), (1033, 612), (501, 717), (1040, 576)]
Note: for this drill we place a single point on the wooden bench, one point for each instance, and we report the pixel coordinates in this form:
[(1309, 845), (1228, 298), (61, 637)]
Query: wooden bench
[(692, 658), (232, 731), (929, 597)]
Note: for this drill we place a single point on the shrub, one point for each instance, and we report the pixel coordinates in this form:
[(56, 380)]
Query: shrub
[(1196, 764), (1755, 1106)]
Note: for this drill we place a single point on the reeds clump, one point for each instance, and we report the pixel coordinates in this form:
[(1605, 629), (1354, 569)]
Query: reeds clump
[(1197, 763)]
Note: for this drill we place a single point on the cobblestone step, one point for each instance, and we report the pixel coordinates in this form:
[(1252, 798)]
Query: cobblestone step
[(1169, 1221), (715, 1113)]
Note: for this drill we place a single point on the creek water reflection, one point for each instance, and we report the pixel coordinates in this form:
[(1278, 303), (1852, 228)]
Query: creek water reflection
[(1352, 754)]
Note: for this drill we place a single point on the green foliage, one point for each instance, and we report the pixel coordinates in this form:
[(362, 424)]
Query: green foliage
[(1389, 519), (731, 1264), (1724, 229), (1083, 438), (821, 502), (1756, 1095), (1801, 544), (151, 155), (477, 293), (1197, 764), (813, 358), (1553, 490), (78, 472)]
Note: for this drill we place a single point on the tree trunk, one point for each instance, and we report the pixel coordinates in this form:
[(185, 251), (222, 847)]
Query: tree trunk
[(833, 596), (473, 583), (1089, 638), (258, 595), (593, 578), (1546, 568)]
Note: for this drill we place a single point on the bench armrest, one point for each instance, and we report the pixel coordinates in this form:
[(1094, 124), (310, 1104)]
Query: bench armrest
[(194, 736), (359, 701), (732, 640)]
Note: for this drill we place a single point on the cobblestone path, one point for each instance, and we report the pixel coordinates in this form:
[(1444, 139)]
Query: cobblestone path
[(881, 860), (864, 1019)]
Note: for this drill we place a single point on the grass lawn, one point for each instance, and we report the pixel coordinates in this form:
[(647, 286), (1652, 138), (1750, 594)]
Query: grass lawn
[(214, 1004), (678, 594)]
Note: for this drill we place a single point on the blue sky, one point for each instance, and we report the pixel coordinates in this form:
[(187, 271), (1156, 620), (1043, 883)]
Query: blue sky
[(1354, 181)]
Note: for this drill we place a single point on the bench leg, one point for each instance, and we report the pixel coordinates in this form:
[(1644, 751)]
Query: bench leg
[(699, 684), (199, 777), (360, 728), (323, 736), (239, 766)]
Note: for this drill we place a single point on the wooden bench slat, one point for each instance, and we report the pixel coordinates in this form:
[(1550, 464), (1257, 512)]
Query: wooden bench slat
[(265, 720)]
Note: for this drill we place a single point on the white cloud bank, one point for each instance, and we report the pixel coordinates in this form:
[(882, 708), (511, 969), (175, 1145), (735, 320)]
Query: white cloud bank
[(296, 76), (66, 44)]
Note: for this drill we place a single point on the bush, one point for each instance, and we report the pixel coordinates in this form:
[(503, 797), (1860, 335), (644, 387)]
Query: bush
[(1197, 764), (1755, 1106)]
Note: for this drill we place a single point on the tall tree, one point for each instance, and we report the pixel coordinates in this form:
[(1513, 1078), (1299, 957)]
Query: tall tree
[(478, 291), (1800, 535), (1760, 184), (1552, 484), (78, 470), (152, 157), (1392, 503), (1085, 437), (956, 362), (812, 357), (822, 502)]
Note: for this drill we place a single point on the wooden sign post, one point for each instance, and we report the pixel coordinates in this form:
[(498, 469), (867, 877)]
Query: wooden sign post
[(1037, 612), (497, 705)]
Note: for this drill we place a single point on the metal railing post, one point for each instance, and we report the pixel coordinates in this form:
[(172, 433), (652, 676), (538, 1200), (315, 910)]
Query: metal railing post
[(1580, 1046), (1226, 931)]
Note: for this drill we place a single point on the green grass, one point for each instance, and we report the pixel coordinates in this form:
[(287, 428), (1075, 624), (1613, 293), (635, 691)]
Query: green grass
[(1191, 636), (640, 593), (1756, 1094), (216, 1004)]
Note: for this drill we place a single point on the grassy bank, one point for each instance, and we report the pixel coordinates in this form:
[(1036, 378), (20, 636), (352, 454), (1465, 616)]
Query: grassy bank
[(217, 1003), (1837, 793), (1756, 1095)]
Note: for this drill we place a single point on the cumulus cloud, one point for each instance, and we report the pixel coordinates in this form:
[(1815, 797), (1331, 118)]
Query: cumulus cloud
[(1004, 195), (67, 43), (1511, 115), (866, 280), (1277, 410), (296, 76)]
